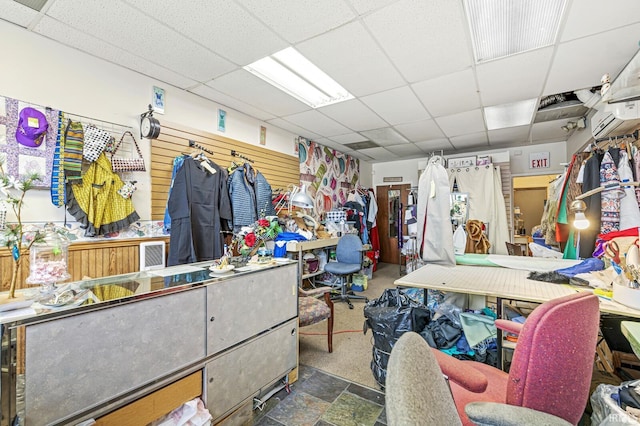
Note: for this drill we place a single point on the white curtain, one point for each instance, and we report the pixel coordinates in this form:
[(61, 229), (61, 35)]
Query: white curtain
[(435, 236), (486, 202)]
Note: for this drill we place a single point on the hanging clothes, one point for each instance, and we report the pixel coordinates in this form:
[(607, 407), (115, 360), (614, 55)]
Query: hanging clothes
[(629, 211), (200, 211), (251, 196), (95, 202), (177, 164), (435, 236), (609, 200)]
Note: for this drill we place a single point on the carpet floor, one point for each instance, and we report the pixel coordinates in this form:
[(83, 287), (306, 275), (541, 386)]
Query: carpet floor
[(351, 357)]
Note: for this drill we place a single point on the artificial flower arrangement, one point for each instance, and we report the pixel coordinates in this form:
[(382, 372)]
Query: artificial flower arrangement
[(251, 238), (14, 236)]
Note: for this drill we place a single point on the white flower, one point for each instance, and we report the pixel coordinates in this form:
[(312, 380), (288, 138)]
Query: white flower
[(12, 182), (4, 189)]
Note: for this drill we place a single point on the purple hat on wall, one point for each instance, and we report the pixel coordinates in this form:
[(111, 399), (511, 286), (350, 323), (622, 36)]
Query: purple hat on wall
[(32, 127)]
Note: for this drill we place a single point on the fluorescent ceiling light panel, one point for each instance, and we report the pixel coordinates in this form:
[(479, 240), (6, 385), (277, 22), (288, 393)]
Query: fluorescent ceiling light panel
[(510, 115), (294, 74), (502, 28)]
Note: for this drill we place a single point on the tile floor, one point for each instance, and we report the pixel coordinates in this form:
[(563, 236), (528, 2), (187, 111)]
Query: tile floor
[(320, 399)]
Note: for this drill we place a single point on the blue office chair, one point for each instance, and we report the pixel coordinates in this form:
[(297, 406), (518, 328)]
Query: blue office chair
[(349, 261)]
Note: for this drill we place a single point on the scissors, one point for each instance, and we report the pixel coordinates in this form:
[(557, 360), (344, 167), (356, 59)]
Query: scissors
[(612, 251)]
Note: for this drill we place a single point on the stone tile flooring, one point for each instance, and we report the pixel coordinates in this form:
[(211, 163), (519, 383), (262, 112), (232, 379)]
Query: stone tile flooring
[(320, 399)]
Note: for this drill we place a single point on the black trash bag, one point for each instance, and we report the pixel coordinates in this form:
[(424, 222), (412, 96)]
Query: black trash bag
[(391, 315), (441, 333)]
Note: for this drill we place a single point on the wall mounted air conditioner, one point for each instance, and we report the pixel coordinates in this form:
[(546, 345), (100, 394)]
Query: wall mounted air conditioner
[(616, 119), (152, 255)]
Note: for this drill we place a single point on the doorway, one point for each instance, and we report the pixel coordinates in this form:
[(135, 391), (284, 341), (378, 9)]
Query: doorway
[(529, 198), (392, 200)]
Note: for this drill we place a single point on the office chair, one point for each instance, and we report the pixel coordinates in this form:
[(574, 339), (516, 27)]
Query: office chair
[(551, 366), (417, 393), (312, 310), (349, 261)]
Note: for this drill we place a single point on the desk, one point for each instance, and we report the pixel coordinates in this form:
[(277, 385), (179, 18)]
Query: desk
[(299, 247), (500, 283)]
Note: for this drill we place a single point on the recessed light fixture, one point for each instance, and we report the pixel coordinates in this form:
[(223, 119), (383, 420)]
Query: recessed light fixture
[(502, 28), (510, 115), (294, 74)]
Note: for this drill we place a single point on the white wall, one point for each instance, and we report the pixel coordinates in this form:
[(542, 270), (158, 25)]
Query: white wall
[(518, 157), (43, 72)]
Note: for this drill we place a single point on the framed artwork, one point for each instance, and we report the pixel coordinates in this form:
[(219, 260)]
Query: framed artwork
[(483, 160), (263, 135), (158, 100), (462, 161), (222, 120)]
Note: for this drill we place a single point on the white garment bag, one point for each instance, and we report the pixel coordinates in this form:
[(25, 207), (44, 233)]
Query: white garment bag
[(435, 236), (486, 202)]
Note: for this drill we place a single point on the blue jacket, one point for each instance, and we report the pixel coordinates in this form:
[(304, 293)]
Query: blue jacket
[(250, 195)]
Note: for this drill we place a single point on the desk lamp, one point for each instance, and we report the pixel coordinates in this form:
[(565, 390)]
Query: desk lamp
[(580, 221), (301, 198)]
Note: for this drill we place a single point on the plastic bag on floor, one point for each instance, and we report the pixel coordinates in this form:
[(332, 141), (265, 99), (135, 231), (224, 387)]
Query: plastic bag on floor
[(606, 411), (192, 413)]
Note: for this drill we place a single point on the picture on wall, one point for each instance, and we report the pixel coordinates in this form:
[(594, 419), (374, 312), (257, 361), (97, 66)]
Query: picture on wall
[(158, 100), (28, 135)]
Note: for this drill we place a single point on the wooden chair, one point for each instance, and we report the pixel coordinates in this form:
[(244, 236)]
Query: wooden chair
[(312, 310), (515, 249)]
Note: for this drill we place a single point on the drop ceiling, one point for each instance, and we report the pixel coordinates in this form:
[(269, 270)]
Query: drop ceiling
[(409, 63)]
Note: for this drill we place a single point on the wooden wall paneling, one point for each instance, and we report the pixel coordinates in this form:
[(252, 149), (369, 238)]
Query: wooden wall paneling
[(88, 258), (279, 169)]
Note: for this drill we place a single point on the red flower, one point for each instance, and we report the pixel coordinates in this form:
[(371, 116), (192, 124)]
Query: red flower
[(263, 223), (250, 239)]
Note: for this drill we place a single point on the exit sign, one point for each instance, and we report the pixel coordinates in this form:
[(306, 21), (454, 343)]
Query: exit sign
[(539, 160)]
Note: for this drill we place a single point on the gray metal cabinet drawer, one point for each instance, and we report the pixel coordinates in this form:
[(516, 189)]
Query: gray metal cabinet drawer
[(80, 361), (243, 371), (240, 308)]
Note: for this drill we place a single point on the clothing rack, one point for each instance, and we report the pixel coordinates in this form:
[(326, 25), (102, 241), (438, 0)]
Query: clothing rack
[(633, 135), (116, 129), (200, 147), (235, 153)]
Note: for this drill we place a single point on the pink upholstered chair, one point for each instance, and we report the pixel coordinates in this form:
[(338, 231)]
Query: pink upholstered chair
[(551, 367), (312, 310)]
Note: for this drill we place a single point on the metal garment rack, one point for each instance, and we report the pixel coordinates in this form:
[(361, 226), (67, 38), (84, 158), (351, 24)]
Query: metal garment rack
[(235, 153), (633, 135), (192, 144)]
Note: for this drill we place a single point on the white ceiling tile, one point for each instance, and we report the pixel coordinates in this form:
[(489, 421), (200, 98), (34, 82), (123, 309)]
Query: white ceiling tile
[(378, 153), (366, 6), (463, 123), (331, 144), (425, 39), (354, 115), (508, 135), (588, 17), (420, 130), (397, 106), (514, 78), (478, 140), (16, 13), (360, 155), (65, 34), (299, 20), (406, 150), (449, 94), (550, 131), (348, 138), (223, 27), (248, 88), (592, 56), (351, 57), (131, 30), (385, 136), (435, 145), (227, 101), (317, 123), (296, 130)]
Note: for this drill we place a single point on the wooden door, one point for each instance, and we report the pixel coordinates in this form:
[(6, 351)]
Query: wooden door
[(392, 201)]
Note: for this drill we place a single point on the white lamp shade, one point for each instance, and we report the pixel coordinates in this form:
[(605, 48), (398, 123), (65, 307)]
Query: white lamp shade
[(302, 199)]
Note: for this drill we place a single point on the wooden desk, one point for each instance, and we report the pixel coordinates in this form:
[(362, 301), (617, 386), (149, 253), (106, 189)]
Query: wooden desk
[(498, 282)]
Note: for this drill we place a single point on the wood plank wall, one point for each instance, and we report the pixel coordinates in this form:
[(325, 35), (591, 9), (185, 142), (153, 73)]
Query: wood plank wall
[(279, 169), (93, 259)]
